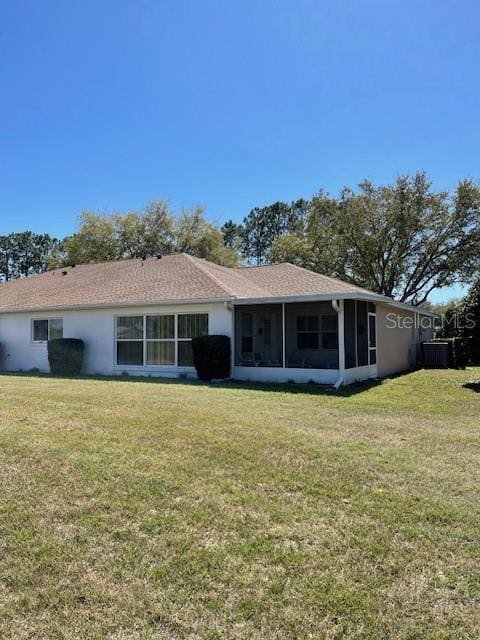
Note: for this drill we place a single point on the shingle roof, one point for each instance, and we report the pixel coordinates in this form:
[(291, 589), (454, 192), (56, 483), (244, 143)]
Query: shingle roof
[(169, 279)]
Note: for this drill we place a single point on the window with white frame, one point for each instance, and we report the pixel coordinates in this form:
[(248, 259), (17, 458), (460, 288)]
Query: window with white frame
[(47, 329), (160, 347), (190, 325), (130, 340), (158, 340)]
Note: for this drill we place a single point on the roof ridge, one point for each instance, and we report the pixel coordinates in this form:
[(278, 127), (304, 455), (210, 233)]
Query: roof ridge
[(125, 259), (291, 264), (232, 270), (271, 264), (257, 266), (218, 282)]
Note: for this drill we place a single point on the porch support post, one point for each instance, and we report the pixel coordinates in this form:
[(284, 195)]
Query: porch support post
[(233, 344), (339, 308), (283, 335)]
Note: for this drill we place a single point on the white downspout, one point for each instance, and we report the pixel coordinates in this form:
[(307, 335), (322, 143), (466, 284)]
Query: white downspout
[(338, 306)]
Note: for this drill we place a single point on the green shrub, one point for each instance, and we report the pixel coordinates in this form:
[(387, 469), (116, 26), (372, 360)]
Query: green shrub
[(211, 357), (65, 356), (473, 350), (459, 353)]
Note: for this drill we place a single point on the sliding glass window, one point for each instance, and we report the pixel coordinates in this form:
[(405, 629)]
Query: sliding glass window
[(158, 340), (130, 340), (190, 325), (47, 329), (161, 340)]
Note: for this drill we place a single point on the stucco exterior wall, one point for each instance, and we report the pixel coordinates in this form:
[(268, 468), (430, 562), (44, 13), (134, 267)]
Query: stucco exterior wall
[(96, 327), (398, 343), (399, 336), (289, 374), (357, 374)]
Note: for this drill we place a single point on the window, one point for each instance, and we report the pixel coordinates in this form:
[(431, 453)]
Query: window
[(40, 330), (329, 332), (130, 328), (158, 340), (130, 340), (190, 325), (311, 328), (308, 331), (47, 329), (130, 352)]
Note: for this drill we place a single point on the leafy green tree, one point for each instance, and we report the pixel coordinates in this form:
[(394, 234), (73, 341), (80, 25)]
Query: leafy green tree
[(24, 253), (153, 231), (233, 236), (450, 324), (402, 240), (194, 235), (470, 321), (95, 241), (149, 232), (309, 245), (157, 228), (264, 225), (293, 248)]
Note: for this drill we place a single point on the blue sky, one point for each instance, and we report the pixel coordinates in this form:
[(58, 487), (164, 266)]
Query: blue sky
[(109, 104)]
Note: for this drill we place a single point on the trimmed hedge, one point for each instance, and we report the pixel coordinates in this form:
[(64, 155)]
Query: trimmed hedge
[(65, 356), (211, 357)]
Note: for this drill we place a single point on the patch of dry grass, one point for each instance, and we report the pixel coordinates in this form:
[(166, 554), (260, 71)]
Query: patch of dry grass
[(162, 510)]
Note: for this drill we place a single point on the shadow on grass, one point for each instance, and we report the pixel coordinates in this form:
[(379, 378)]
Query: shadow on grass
[(473, 385), (294, 388)]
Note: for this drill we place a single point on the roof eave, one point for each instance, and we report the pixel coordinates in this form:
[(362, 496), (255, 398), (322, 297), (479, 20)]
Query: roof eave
[(370, 297), (114, 305), (320, 297)]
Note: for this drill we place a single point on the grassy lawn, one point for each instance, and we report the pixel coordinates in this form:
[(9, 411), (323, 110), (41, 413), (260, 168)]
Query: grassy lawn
[(180, 510)]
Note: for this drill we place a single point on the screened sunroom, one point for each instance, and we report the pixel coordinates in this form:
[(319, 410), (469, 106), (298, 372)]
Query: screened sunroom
[(292, 335), (327, 341)]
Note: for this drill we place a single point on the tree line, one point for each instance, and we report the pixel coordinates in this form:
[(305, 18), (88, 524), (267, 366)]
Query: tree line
[(25, 253), (460, 318), (99, 238), (402, 240)]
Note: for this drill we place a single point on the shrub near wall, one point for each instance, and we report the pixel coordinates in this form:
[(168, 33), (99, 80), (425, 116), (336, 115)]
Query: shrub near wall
[(65, 356), (211, 357)]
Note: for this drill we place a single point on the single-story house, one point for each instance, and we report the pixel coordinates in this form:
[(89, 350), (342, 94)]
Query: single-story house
[(139, 316)]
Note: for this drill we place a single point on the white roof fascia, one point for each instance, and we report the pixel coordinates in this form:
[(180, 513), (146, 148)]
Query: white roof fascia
[(114, 305), (320, 297)]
